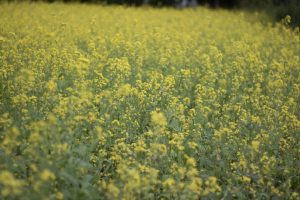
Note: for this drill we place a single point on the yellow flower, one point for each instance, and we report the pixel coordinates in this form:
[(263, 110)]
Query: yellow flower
[(62, 148), (113, 191), (246, 179), (190, 161), (10, 185), (124, 90), (47, 175), (51, 85), (255, 145), (59, 195), (195, 185), (169, 182), (212, 186), (158, 149), (158, 119), (192, 145)]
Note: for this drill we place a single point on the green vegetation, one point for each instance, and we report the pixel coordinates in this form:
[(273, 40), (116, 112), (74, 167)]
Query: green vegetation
[(101, 102)]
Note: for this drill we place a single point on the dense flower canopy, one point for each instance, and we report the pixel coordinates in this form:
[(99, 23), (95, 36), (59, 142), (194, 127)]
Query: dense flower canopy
[(140, 103)]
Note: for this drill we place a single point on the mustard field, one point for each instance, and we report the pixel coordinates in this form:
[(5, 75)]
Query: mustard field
[(110, 102)]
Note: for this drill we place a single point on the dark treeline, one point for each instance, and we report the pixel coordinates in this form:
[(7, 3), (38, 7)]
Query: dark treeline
[(278, 9), (211, 3)]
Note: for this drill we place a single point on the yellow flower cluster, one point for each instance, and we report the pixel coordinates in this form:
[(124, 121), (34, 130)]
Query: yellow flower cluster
[(108, 102), (10, 185), (158, 119)]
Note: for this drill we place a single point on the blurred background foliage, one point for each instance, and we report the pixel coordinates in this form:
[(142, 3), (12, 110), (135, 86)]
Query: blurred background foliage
[(277, 9)]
